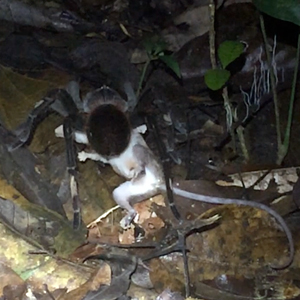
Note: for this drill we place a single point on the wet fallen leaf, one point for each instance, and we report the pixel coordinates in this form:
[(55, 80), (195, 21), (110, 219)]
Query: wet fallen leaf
[(242, 246), (284, 178), (10, 283), (38, 269)]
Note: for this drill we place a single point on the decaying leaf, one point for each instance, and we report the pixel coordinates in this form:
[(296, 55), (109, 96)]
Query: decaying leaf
[(284, 178)]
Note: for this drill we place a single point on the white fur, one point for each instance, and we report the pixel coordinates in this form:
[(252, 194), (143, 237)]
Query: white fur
[(126, 164), (80, 137), (137, 188), (83, 156), (128, 189), (59, 132), (141, 129)]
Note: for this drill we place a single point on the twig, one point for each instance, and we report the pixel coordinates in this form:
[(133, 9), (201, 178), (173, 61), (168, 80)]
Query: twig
[(212, 42)]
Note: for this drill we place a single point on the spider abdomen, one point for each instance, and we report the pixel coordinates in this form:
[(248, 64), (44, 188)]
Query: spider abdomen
[(108, 130)]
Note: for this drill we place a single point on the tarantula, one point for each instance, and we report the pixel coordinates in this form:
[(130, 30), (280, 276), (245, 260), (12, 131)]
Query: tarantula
[(81, 120)]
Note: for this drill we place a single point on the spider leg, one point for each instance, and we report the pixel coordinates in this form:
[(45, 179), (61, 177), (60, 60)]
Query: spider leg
[(72, 170), (25, 130), (58, 100)]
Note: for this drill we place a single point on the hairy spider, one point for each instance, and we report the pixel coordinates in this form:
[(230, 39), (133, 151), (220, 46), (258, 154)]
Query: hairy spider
[(81, 120)]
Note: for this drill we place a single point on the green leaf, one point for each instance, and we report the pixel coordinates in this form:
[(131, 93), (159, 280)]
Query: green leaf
[(171, 63), (154, 45), (216, 79), (160, 46), (286, 10), (229, 51)]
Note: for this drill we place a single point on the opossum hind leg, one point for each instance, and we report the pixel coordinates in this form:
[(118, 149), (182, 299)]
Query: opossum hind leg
[(131, 192)]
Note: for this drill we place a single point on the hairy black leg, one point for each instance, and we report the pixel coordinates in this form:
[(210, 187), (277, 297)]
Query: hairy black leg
[(74, 90), (64, 103), (72, 170), (152, 125), (58, 100), (25, 130)]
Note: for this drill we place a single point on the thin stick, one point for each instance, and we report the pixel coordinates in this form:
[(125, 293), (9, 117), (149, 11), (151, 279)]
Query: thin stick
[(285, 146), (212, 42)]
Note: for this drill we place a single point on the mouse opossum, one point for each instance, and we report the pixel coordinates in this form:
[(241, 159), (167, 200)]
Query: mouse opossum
[(115, 142)]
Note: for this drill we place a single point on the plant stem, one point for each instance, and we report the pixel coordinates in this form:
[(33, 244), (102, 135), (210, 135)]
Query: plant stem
[(240, 134), (212, 34), (273, 84), (229, 116), (285, 146), (145, 67)]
